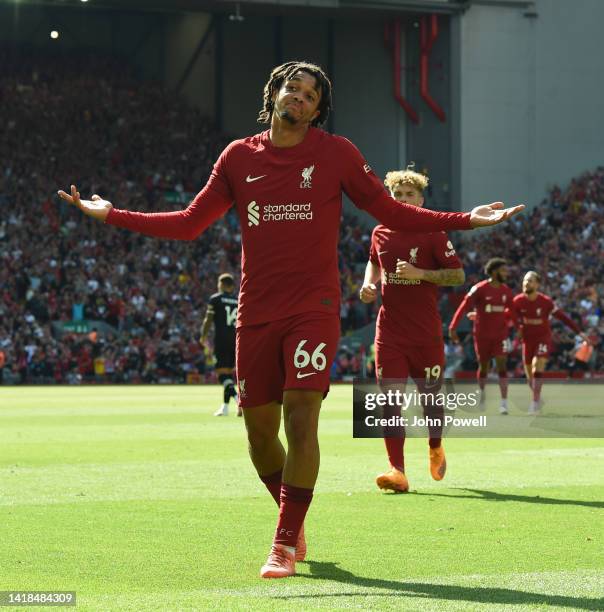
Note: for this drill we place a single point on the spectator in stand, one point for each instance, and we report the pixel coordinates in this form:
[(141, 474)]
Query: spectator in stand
[(50, 265)]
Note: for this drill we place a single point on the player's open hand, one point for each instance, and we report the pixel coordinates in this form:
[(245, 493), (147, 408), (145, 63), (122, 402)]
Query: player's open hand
[(408, 271), (368, 293), (492, 214), (96, 207)]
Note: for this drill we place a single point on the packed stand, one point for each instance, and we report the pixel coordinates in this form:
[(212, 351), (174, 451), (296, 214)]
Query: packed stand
[(87, 120)]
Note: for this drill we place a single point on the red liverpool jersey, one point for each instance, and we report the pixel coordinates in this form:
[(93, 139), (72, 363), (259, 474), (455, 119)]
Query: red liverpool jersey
[(533, 315), (289, 202), (490, 304), (409, 313)]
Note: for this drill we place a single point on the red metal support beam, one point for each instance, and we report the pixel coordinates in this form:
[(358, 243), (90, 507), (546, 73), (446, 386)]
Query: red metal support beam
[(427, 38), (395, 47)]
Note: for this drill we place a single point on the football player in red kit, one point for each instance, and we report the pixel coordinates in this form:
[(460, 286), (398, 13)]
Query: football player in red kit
[(490, 299), (533, 310), (286, 184), (408, 339)]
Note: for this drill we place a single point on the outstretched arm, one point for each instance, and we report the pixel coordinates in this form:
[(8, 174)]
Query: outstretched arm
[(404, 217), (97, 208), (367, 192), (207, 206), (562, 316)]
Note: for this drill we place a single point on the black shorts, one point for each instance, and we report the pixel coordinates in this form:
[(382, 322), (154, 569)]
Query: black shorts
[(225, 355)]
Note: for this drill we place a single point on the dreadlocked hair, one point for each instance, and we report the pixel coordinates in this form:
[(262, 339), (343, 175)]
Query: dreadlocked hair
[(285, 72)]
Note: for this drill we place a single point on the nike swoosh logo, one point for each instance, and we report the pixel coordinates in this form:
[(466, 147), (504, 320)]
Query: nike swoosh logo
[(432, 386), (300, 375), (251, 179), (382, 252)]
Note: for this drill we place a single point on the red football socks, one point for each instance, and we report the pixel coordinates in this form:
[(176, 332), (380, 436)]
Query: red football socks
[(435, 442), (292, 511), (273, 484), (395, 450)]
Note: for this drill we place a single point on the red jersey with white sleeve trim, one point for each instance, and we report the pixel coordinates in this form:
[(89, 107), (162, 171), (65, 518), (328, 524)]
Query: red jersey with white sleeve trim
[(289, 202), (409, 312), (490, 304)]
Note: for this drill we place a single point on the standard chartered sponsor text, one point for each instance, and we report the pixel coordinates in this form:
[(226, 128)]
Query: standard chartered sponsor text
[(287, 212), (291, 211)]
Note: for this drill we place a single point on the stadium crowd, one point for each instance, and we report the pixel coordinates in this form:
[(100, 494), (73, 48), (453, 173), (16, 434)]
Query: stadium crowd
[(91, 122), (146, 150)]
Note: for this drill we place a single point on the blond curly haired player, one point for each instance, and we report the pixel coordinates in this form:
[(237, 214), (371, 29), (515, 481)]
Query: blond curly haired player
[(409, 340)]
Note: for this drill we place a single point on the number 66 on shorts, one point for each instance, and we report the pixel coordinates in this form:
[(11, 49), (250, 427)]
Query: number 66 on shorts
[(292, 353)]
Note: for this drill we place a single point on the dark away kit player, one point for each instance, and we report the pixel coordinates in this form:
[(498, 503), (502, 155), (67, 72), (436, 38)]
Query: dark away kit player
[(222, 312)]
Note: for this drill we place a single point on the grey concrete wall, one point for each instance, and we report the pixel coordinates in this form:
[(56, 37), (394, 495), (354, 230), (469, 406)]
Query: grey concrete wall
[(249, 56), (183, 35), (365, 109), (531, 94), (570, 89), (497, 126)]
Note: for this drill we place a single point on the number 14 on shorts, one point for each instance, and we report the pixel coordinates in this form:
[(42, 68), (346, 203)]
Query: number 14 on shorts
[(316, 358)]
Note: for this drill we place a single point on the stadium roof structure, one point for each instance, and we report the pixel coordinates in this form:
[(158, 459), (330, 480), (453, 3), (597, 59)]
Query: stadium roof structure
[(272, 7)]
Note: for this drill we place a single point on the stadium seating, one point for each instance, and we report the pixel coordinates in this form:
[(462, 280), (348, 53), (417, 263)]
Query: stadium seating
[(91, 122)]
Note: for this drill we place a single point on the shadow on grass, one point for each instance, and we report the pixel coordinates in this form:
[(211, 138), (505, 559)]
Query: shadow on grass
[(449, 592), (481, 494)]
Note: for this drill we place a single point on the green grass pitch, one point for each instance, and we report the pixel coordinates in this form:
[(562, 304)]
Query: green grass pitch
[(138, 499)]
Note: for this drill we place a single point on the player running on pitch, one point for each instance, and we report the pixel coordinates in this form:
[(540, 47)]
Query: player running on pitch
[(533, 310), (287, 184), (222, 312), (490, 299), (408, 339)]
